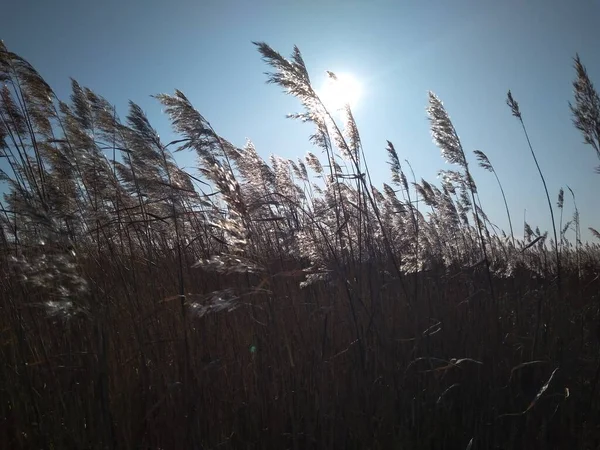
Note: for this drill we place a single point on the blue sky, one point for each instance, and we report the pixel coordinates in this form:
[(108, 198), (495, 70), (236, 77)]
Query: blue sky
[(468, 52)]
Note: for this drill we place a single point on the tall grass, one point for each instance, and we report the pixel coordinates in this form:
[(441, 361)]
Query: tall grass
[(271, 304)]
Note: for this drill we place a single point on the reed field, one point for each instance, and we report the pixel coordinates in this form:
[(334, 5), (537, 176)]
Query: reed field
[(276, 303)]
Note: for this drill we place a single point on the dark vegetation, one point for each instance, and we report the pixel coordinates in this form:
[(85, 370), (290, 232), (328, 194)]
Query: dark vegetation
[(281, 304)]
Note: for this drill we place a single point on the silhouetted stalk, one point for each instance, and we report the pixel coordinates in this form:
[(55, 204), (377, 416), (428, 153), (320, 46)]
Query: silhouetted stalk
[(514, 106), (578, 242)]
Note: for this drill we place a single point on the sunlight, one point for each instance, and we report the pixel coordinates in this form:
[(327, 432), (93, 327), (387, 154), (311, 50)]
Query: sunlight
[(340, 90)]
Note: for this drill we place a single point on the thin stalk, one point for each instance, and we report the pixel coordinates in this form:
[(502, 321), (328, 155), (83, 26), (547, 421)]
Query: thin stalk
[(512, 234), (514, 106), (558, 267)]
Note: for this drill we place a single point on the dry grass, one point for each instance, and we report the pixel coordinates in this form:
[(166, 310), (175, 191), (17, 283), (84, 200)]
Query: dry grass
[(288, 304)]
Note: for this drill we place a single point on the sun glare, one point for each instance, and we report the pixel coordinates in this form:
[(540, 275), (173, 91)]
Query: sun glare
[(339, 91)]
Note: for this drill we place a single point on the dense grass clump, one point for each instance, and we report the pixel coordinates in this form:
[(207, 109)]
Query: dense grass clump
[(277, 304)]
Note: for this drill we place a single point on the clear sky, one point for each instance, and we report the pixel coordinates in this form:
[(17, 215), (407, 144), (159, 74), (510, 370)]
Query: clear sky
[(469, 52)]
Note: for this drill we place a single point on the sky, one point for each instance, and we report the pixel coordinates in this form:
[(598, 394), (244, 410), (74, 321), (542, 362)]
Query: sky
[(469, 52)]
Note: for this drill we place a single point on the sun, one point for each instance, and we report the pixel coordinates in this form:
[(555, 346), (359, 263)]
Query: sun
[(340, 90)]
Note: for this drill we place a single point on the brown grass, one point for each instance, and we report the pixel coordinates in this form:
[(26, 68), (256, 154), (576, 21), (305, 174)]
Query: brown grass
[(261, 305)]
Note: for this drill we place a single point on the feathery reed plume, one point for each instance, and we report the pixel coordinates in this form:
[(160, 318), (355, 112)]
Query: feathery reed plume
[(560, 203), (586, 109), (561, 198), (398, 176), (443, 132), (446, 138), (485, 163)]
